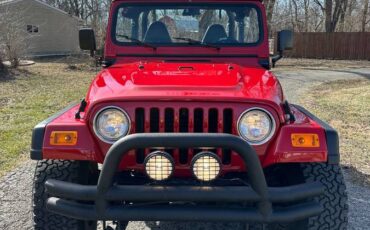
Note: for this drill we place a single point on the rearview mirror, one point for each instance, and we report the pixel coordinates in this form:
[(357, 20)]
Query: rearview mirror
[(191, 12), (87, 40), (285, 40)]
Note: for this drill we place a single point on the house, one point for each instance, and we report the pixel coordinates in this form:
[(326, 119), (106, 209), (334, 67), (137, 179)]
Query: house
[(49, 31)]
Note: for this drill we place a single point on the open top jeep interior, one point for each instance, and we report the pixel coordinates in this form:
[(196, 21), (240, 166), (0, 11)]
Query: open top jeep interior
[(170, 24)]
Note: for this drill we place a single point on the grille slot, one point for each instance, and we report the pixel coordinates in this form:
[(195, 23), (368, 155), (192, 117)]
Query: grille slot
[(169, 124), (198, 125), (198, 121), (213, 121), (227, 128), (183, 128), (154, 120), (169, 120), (140, 128)]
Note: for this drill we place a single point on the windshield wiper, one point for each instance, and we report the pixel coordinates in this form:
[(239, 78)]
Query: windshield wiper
[(196, 42), (137, 41)]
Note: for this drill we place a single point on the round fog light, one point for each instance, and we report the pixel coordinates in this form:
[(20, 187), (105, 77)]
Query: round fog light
[(159, 165), (206, 166)]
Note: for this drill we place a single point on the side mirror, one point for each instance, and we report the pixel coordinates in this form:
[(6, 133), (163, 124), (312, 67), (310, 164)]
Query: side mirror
[(87, 40), (284, 42)]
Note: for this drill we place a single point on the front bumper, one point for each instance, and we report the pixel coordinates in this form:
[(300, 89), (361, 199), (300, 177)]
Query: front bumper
[(108, 201)]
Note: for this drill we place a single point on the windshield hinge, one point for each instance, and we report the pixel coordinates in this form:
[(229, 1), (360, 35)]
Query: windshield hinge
[(81, 109)]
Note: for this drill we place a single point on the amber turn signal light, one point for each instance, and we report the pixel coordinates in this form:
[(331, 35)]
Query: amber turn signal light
[(63, 138), (305, 140)]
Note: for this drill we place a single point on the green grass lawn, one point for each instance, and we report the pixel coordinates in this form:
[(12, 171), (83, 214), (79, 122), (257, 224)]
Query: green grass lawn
[(346, 106), (29, 96)]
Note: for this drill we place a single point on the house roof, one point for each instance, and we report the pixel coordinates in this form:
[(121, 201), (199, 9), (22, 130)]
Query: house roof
[(7, 2)]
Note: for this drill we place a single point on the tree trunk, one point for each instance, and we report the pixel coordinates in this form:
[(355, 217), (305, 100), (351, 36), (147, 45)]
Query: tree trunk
[(270, 4), (334, 13), (306, 15), (328, 15), (2, 67), (296, 20), (293, 22), (350, 24), (343, 5), (364, 15)]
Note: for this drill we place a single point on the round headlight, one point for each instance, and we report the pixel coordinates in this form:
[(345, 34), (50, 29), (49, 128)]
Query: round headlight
[(206, 166), (111, 124), (159, 165), (256, 126)]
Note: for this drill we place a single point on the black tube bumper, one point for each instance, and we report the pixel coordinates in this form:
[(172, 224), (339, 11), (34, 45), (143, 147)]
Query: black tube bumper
[(117, 202)]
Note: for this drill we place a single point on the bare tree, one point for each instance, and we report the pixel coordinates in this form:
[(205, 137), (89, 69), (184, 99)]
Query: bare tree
[(364, 20), (297, 23), (13, 35), (301, 15), (333, 11), (306, 14), (270, 6), (348, 24)]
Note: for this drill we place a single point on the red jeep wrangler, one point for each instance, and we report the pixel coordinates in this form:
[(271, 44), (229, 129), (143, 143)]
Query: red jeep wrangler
[(186, 123)]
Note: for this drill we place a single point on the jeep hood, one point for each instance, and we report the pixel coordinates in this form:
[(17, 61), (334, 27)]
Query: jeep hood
[(184, 81)]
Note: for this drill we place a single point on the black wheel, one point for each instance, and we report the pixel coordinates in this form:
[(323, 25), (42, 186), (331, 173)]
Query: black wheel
[(71, 171), (333, 201)]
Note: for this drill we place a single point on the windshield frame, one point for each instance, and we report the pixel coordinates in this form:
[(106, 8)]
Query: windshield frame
[(113, 31)]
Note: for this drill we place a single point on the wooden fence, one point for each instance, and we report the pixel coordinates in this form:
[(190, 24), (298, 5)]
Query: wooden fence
[(339, 45)]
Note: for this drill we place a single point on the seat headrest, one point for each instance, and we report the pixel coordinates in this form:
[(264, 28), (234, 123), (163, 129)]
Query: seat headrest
[(214, 33), (157, 33)]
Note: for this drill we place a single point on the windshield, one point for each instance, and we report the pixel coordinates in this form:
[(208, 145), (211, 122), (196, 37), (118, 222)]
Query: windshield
[(209, 25)]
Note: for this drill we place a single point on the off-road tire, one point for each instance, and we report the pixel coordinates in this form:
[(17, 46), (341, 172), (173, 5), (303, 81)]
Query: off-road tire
[(334, 201), (71, 171)]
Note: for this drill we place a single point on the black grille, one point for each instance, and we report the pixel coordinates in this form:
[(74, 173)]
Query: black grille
[(184, 120)]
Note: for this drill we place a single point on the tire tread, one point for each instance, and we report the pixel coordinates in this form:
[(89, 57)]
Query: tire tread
[(334, 200), (52, 169)]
